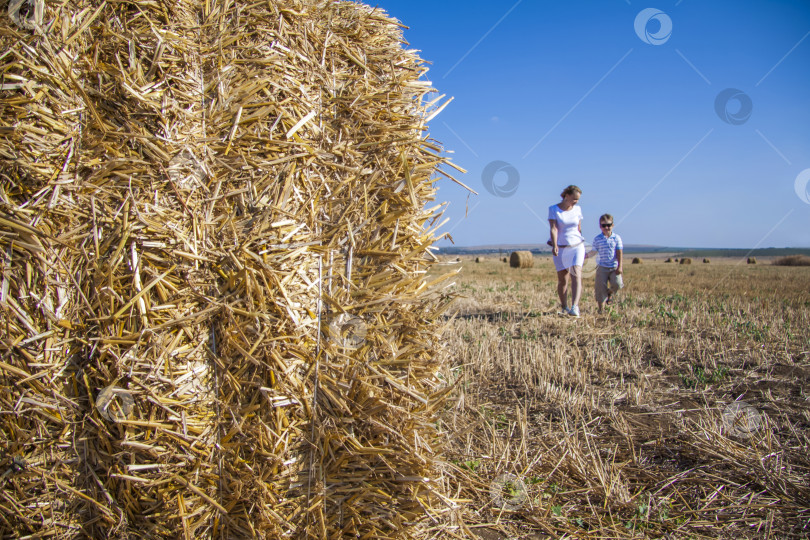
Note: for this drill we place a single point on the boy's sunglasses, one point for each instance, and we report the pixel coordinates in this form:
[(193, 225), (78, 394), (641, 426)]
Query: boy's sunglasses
[(606, 224)]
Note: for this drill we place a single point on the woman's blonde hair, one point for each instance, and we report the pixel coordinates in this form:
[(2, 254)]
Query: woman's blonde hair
[(570, 190)]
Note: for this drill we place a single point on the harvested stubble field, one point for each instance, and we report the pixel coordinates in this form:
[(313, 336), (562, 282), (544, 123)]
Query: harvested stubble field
[(682, 412)]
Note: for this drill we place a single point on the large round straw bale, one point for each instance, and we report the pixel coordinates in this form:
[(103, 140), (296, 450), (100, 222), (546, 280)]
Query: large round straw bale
[(752, 260), (669, 260), (636, 260), (189, 191), (706, 261), (521, 259), (686, 260)]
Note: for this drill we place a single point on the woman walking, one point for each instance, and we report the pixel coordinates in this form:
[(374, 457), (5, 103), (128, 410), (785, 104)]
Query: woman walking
[(568, 247)]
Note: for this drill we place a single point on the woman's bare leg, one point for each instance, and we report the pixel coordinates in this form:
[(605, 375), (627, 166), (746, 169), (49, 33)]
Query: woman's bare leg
[(576, 284), (562, 287)]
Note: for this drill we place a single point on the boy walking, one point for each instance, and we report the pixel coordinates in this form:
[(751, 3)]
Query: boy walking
[(609, 264)]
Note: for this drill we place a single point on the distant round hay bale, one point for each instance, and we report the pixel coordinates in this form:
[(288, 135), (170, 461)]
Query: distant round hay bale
[(636, 260), (706, 261), (521, 259), (669, 260), (477, 259), (505, 259), (676, 259), (752, 260), (686, 261)]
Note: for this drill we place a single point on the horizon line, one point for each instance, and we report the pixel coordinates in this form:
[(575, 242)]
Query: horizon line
[(654, 246)]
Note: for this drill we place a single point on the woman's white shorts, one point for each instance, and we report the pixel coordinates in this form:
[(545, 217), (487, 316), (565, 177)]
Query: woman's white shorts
[(570, 256)]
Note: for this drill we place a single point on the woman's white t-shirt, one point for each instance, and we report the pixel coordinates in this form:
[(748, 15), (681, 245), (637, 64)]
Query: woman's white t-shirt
[(567, 224)]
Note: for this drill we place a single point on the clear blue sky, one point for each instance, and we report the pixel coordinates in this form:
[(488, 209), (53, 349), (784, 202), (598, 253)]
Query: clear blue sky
[(580, 92)]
